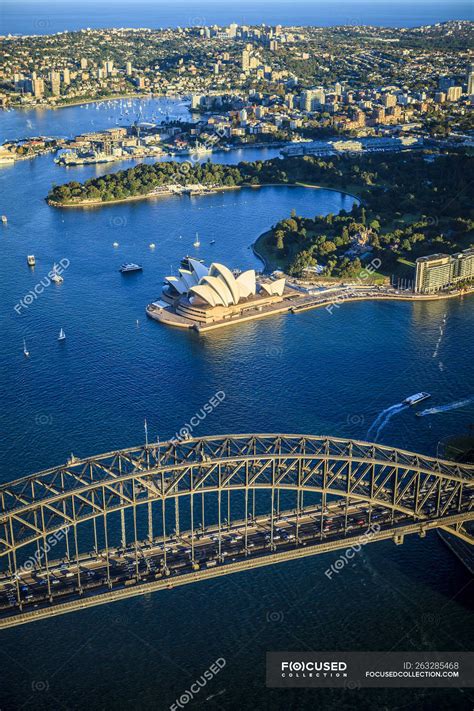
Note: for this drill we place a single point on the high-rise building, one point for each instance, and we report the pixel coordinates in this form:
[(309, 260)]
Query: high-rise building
[(83, 63), (338, 89), (433, 273), (196, 101), (312, 99), (389, 100), (463, 269), (19, 81), (379, 114), (454, 93), (470, 80), (128, 69), (37, 87), (66, 76), (55, 82), (232, 31), (438, 271), (109, 66), (246, 54)]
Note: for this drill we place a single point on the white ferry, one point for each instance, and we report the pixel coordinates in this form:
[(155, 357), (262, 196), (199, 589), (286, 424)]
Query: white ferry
[(415, 399)]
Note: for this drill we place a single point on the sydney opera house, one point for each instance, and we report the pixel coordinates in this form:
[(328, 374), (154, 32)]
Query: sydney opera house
[(202, 295)]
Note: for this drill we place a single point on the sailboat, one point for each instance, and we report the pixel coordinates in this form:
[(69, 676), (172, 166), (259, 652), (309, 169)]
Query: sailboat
[(25, 350), (196, 242), (62, 335)]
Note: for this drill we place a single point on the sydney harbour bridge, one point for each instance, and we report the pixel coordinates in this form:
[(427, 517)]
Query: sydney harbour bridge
[(161, 515)]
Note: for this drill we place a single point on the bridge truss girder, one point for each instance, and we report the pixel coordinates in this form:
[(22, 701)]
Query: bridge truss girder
[(424, 488)]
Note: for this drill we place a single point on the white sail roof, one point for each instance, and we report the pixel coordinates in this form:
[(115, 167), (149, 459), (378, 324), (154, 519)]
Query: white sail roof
[(222, 272), (204, 292), (217, 286), (198, 267), (177, 283), (223, 292), (273, 288), (189, 278), (246, 283)]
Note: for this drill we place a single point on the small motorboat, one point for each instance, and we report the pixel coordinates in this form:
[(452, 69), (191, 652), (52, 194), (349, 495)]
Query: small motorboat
[(152, 245), (213, 241), (196, 242), (130, 267), (62, 335), (4, 219), (55, 276), (26, 352), (31, 260), (115, 244)]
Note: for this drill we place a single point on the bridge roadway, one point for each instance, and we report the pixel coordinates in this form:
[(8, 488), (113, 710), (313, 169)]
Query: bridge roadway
[(188, 558), (117, 515)]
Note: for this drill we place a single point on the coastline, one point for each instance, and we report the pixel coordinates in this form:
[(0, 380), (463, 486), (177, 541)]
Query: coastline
[(96, 100), (169, 192), (134, 198), (295, 306)]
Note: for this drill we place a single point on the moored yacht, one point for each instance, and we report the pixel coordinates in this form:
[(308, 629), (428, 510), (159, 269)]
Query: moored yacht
[(130, 267)]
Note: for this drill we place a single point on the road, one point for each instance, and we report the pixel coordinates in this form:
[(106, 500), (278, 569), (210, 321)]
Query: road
[(91, 574)]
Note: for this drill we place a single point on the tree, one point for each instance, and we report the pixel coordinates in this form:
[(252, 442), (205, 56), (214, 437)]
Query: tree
[(327, 247), (280, 235), (301, 261)]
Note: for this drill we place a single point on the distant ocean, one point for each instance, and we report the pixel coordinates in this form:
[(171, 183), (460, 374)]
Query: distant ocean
[(43, 17)]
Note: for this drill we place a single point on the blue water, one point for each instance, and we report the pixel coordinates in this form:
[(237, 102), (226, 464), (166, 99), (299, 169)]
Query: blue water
[(49, 17), (314, 372)]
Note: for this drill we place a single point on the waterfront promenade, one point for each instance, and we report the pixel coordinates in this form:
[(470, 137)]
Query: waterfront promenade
[(330, 299)]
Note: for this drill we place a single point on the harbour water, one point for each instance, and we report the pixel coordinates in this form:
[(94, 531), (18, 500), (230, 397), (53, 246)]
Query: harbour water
[(313, 372)]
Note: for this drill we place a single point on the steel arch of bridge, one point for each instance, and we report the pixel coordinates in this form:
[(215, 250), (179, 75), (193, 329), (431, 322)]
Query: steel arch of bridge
[(418, 489), (417, 485)]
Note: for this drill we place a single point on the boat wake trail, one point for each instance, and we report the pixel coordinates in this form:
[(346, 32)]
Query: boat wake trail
[(441, 333), (448, 407), (383, 418)]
